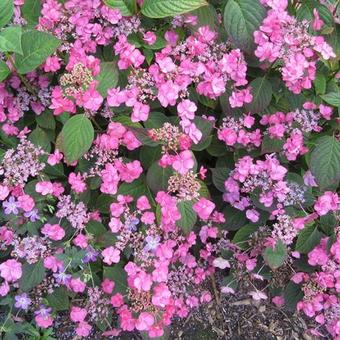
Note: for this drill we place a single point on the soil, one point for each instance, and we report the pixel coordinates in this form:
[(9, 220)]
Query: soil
[(235, 317), (229, 317)]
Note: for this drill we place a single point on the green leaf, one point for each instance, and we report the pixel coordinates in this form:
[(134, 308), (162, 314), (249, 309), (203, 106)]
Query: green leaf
[(46, 120), (72, 257), (77, 137), (108, 77), (219, 176), (6, 12), (36, 47), (206, 16), (292, 295), (325, 162), (126, 7), (217, 148), (103, 203), (307, 239), (135, 189), (148, 155), (332, 98), (306, 8), (275, 257), (241, 19), (188, 216), (4, 71), (95, 228), (126, 121), (262, 94), (270, 145), (10, 39), (32, 275), (58, 300), (39, 138), (234, 218), (242, 235), (166, 8), (205, 126), (328, 223), (320, 83), (118, 275), (204, 191), (156, 120), (157, 177), (30, 11)]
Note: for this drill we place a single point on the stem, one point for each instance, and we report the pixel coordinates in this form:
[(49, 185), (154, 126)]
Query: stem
[(96, 124), (91, 276), (217, 297), (2, 329)]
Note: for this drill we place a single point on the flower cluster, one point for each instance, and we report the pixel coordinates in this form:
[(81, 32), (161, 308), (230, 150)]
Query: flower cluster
[(148, 166), (263, 182), (321, 288), (293, 126), (165, 279), (198, 60), (282, 38), (234, 131)]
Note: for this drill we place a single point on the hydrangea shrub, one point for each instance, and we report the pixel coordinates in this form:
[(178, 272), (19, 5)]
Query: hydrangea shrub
[(150, 148)]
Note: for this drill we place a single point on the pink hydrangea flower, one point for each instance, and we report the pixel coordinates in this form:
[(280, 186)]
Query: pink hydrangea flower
[(145, 321), (44, 188), (26, 202), (111, 255), (107, 286), (186, 109), (44, 321), (77, 285), (53, 231), (317, 22), (78, 314), (117, 300), (77, 183), (149, 37), (183, 162), (140, 112), (203, 208), (83, 329), (329, 201), (11, 270)]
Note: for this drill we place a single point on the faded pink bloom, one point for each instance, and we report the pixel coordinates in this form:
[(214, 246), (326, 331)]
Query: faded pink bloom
[(221, 263), (258, 295), (44, 188), (4, 192)]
